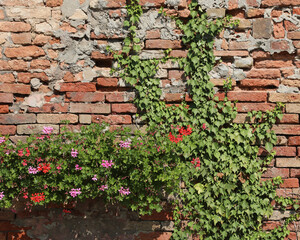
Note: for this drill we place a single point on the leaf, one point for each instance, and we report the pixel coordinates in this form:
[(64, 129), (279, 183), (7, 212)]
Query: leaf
[(199, 187), (269, 146)]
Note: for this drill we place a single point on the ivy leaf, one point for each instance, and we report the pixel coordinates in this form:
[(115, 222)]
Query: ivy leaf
[(269, 146), (199, 187)]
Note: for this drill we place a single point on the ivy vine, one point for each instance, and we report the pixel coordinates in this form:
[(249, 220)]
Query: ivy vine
[(224, 198)]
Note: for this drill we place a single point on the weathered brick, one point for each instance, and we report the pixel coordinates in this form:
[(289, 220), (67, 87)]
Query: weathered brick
[(231, 53), (178, 53), (54, 3), (176, 74), (173, 97), (107, 82), (294, 141), (77, 87), (162, 44), (290, 183), (112, 119), (289, 118), (4, 109), (287, 162), (6, 98), (273, 63), (292, 108), (15, 88), (293, 35), (287, 129), (90, 108), (275, 172), (291, 83), (282, 3), (40, 64), (28, 129), (248, 96), (123, 108), (25, 77), (278, 30), (50, 107), (14, 27), (278, 215), (285, 151), (264, 73), (86, 97), (41, 39), (295, 173), (25, 13), (21, 52), (17, 118), (153, 34), (8, 129), (262, 28), (56, 118), (247, 107), (233, 4), (236, 45), (101, 56), (26, 3), (7, 78), (21, 38), (251, 83), (85, 119), (120, 97), (254, 13), (16, 65), (280, 45), (284, 97)]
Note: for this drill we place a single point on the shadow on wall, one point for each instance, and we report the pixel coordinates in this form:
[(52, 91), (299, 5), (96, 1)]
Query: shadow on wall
[(89, 220)]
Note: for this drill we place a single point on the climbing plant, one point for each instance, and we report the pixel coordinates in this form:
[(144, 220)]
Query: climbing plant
[(223, 196)]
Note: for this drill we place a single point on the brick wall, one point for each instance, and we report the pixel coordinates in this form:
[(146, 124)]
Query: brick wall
[(53, 67)]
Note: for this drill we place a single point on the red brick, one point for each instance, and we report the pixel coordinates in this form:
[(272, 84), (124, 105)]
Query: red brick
[(165, 215), (16, 65), (119, 97), (41, 40), (270, 3), (112, 119), (231, 53), (2, 15), (115, 3), (179, 53), (14, 27), (248, 96), (280, 45), (4, 109), (154, 235), (291, 236), (21, 38), (270, 225), (278, 30), (6, 98), (285, 151), (247, 107), (260, 54), (174, 97), (86, 97), (8, 130), (296, 11), (289, 26), (293, 35), (77, 87), (275, 172), (7, 78), (67, 28), (153, 34), (264, 73), (295, 172), (25, 77), (290, 183), (15, 88), (233, 4), (21, 52), (40, 64), (254, 13), (50, 107), (54, 3), (162, 44), (123, 108), (289, 118), (90, 108), (17, 118), (294, 141), (287, 129), (276, 13), (252, 3), (235, 45), (107, 82), (250, 83), (176, 74), (100, 56)]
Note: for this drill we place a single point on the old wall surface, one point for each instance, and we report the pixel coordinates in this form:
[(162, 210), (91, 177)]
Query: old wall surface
[(54, 67)]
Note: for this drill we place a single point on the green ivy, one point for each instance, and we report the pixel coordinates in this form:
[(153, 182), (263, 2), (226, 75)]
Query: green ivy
[(225, 198)]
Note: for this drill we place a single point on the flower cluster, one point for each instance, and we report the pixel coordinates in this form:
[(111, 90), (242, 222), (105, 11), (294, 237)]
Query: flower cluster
[(75, 191), (74, 153), (38, 197), (196, 162), (95, 178), (124, 191), (125, 144), (44, 167), (1, 195), (2, 140), (107, 164), (103, 187), (78, 168), (182, 132), (47, 130), (32, 170)]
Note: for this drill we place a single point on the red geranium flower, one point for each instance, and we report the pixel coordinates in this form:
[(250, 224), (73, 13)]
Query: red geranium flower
[(38, 197)]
